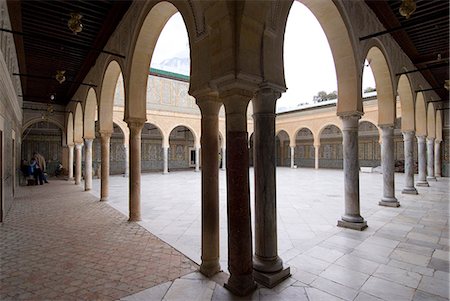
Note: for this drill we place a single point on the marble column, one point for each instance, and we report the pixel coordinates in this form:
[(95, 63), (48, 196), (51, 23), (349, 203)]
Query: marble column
[(240, 264), (316, 155), (70, 167), (78, 147), (408, 142), (267, 265), (165, 150), (135, 127), (388, 167), (127, 160), (88, 164), (209, 108), (430, 159), (422, 157), (292, 156), (437, 158), (105, 137), (352, 218), (224, 156), (197, 158)]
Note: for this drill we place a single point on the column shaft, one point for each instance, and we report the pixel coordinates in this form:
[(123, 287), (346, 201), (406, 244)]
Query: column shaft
[(240, 251), (388, 166), (127, 160), (316, 156), (78, 163), (165, 150), (70, 167), (292, 156), (422, 154), (197, 159), (430, 159), (210, 186), (352, 218), (437, 158), (224, 156), (267, 264), (104, 183), (135, 170), (408, 142), (88, 164)]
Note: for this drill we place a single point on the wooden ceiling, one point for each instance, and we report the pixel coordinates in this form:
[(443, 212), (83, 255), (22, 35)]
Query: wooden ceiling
[(45, 44), (424, 37)]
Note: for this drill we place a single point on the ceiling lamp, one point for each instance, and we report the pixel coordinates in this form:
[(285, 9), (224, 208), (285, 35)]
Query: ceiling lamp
[(74, 23), (407, 8), (60, 77)]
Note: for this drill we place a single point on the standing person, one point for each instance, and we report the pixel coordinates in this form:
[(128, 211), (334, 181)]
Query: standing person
[(38, 175), (41, 160)]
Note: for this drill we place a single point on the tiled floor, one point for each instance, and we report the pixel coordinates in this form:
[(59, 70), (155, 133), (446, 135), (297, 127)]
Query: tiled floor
[(403, 255), (59, 243)]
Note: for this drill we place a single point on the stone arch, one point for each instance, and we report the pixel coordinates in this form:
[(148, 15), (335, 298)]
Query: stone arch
[(181, 154), (296, 132), (431, 121), (50, 120), (90, 109), (78, 124), (109, 83), (319, 133), (383, 82), (152, 20), (123, 127), (194, 133), (282, 149), (305, 150), (69, 129), (405, 93), (421, 115), (333, 22)]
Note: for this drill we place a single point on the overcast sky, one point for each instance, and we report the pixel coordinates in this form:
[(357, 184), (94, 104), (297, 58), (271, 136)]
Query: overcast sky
[(309, 66)]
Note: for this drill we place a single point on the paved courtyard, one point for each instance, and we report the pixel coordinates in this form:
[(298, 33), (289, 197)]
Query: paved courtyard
[(403, 255)]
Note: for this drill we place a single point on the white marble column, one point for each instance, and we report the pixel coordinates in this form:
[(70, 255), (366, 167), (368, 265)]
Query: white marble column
[(165, 150), (422, 158), (430, 159), (316, 156), (437, 158), (135, 127), (127, 160), (88, 164), (292, 156), (240, 254), (209, 107), (197, 159), (78, 147), (105, 137), (70, 167), (224, 156), (408, 142), (352, 218), (388, 166)]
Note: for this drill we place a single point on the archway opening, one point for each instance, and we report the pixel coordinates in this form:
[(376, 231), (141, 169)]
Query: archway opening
[(282, 149), (117, 152), (304, 148), (181, 149), (151, 148), (330, 151), (369, 150)]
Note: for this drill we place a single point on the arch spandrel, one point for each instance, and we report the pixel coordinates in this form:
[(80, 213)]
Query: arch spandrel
[(431, 121), (421, 115), (90, 110), (383, 82), (407, 103), (106, 104), (189, 127)]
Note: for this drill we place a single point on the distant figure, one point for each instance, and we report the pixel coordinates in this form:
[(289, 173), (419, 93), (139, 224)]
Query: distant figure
[(37, 171), (59, 169), (25, 168), (41, 160)]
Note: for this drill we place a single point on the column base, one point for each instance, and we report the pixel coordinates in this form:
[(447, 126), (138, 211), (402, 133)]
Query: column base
[(104, 199), (241, 285), (409, 190), (352, 225), (209, 268), (431, 179), (271, 280), (389, 202), (134, 219), (422, 184), (87, 189)]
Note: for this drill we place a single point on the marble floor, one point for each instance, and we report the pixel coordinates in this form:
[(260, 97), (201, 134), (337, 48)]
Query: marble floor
[(402, 255)]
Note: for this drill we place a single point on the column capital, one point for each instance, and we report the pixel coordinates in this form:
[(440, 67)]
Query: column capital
[(104, 133), (78, 145), (431, 139), (350, 121), (386, 126), (421, 137), (208, 104), (70, 145), (437, 141), (408, 135), (135, 125), (88, 140)]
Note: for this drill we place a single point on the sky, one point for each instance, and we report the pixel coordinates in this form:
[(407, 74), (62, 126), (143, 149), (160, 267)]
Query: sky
[(309, 66)]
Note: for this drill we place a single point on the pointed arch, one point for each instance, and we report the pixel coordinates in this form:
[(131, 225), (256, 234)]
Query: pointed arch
[(407, 103), (383, 81), (90, 110), (78, 124), (421, 115), (108, 89)]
